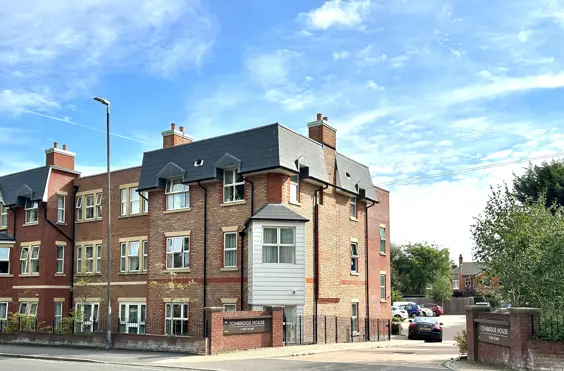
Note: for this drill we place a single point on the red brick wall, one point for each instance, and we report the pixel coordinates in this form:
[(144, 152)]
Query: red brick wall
[(545, 355), (275, 187), (323, 134), (175, 140), (60, 159)]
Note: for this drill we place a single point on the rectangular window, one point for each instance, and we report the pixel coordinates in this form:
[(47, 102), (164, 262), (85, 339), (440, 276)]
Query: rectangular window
[(353, 207), (123, 201), (90, 317), (133, 256), (230, 250), (60, 259), (230, 307), (455, 285), (176, 319), (354, 257), (29, 260), (145, 201), (58, 314), (28, 309), (79, 213), (31, 212), (278, 245), (295, 188), (24, 260), (233, 186), (354, 316), (98, 205), (383, 240), (61, 201), (132, 318), (383, 287), (3, 311), (89, 207), (177, 195), (468, 282), (4, 260), (133, 201), (178, 252), (123, 257), (145, 256), (89, 259), (3, 217)]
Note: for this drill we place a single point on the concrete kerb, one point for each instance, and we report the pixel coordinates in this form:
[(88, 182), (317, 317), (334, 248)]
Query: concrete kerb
[(451, 364)]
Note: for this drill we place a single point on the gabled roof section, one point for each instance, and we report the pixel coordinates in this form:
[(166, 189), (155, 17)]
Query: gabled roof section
[(353, 176), (171, 170), (228, 161), (30, 183), (471, 268), (278, 212)]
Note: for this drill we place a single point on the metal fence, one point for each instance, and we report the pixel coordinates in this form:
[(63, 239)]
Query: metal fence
[(321, 329), (551, 327)]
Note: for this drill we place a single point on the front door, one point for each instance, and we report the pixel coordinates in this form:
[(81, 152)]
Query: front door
[(90, 320), (290, 325)]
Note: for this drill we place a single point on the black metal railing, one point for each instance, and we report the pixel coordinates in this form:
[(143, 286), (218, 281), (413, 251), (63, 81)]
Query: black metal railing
[(321, 329), (551, 327)]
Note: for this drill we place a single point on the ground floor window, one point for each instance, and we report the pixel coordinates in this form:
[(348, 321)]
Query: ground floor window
[(90, 314), (176, 319), (3, 311), (58, 314), (354, 316), (290, 317), (28, 309), (132, 317)]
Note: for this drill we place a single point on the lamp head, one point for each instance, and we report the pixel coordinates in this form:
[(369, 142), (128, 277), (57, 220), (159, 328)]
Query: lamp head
[(104, 101)]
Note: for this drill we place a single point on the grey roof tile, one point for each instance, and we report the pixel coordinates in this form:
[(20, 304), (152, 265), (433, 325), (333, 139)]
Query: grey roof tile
[(29, 183), (5, 237), (278, 212), (471, 268), (351, 173)]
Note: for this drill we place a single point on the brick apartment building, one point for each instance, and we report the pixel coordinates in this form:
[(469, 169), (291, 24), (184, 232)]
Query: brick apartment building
[(260, 217)]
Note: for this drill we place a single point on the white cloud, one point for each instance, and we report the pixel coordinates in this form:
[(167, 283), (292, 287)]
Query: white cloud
[(372, 85), (524, 36), (341, 55), (272, 68), (338, 14), (15, 101)]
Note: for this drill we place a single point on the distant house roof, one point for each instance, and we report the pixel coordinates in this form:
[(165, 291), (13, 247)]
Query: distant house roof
[(263, 148), (469, 269), (14, 188), (278, 212)]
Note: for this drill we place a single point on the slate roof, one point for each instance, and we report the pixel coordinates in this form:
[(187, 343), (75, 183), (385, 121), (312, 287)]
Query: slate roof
[(5, 237), (352, 176), (30, 184), (267, 147), (278, 212), (469, 269)]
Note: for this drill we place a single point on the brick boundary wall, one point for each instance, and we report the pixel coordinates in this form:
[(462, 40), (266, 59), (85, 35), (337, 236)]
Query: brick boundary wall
[(522, 352)]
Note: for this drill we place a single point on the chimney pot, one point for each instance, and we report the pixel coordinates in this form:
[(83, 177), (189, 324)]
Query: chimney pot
[(55, 145), (460, 260), (182, 129), (325, 118), (319, 115), (173, 126), (65, 147)]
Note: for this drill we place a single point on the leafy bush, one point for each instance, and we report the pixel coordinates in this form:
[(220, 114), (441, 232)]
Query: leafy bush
[(396, 319), (397, 328), (396, 295), (461, 340)]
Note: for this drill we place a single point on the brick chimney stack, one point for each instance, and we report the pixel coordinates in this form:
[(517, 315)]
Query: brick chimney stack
[(460, 260), (62, 158), (320, 131), (175, 137)]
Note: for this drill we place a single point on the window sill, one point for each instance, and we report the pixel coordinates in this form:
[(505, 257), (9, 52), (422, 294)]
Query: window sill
[(176, 210), (89, 220), (383, 301), (132, 215), (177, 270), (356, 333), (355, 273), (382, 253), (353, 219), (61, 223), (60, 275), (6, 275), (29, 275), (88, 274), (297, 203), (30, 224), (131, 273), (3, 228), (229, 269), (233, 203)]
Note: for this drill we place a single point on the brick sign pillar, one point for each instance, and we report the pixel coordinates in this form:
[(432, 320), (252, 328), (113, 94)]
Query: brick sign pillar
[(214, 323), (523, 321), (277, 326), (472, 312)]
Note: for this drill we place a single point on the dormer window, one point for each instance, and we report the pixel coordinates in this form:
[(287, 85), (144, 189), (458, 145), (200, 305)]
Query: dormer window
[(3, 217), (233, 186), (31, 212), (177, 195)]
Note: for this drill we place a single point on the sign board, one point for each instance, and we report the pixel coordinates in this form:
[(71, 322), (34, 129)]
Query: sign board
[(494, 334), (246, 325)]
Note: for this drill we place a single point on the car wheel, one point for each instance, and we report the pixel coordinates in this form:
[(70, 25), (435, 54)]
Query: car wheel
[(409, 337), (440, 340), (413, 315)]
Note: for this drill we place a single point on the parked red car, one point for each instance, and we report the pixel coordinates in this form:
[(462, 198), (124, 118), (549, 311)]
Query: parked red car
[(437, 309)]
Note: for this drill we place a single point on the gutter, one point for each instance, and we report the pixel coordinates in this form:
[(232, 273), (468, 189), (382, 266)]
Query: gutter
[(205, 243), (71, 293), (44, 206), (366, 269), (242, 235), (14, 233), (317, 196)]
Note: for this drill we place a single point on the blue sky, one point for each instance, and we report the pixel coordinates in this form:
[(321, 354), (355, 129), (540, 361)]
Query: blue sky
[(415, 88)]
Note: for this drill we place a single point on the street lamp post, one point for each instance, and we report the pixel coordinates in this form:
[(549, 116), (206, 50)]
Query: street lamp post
[(109, 244)]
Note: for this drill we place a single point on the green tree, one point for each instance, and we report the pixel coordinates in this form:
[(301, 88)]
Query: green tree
[(440, 290), (521, 244), (546, 179)]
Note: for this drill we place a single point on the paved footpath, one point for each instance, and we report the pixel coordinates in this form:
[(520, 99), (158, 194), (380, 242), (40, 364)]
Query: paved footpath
[(464, 365)]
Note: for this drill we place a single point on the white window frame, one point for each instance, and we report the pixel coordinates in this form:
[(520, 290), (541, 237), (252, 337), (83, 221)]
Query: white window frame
[(125, 323), (5, 317), (3, 216), (354, 257), (145, 201), (134, 199), (130, 195), (28, 262), (468, 282), (58, 315), (82, 260), (31, 209), (91, 207), (60, 260), (354, 316), (123, 196), (455, 284), (278, 244), (353, 209), (227, 250), (171, 193), (91, 323), (61, 210), (126, 256), (184, 317), (82, 207), (8, 260), (234, 184), (30, 308), (79, 209), (382, 240), (185, 251), (383, 290), (230, 307), (295, 188), (145, 254), (98, 205)]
